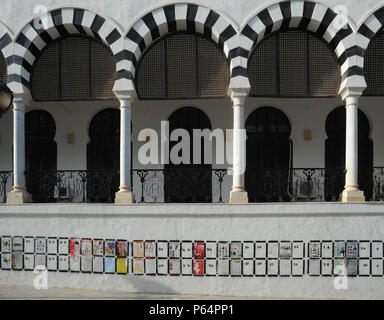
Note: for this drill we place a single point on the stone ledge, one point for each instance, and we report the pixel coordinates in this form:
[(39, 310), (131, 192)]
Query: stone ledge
[(195, 210)]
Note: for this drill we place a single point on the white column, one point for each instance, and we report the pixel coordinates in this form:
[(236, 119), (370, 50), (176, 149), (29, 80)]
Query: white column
[(125, 194), (18, 194), (238, 193), (351, 191)]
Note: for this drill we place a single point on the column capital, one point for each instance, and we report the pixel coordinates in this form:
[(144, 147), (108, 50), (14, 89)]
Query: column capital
[(238, 96), (21, 100), (127, 94), (126, 98), (352, 86), (352, 100), (351, 92)]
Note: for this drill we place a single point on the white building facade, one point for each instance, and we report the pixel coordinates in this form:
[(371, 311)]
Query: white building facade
[(94, 81)]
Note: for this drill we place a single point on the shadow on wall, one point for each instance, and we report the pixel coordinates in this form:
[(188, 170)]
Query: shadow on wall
[(145, 285)]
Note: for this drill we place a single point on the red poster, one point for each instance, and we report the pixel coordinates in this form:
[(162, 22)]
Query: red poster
[(198, 267), (74, 247), (199, 249)]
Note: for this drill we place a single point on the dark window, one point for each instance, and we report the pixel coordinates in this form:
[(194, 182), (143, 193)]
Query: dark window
[(335, 154), (269, 154), (374, 66), (293, 64), (40, 155), (182, 66), (74, 68), (103, 156), (3, 69), (188, 183)]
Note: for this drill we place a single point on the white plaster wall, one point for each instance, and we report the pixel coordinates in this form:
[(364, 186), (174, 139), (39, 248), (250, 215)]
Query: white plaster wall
[(303, 114), (314, 221), (72, 117)]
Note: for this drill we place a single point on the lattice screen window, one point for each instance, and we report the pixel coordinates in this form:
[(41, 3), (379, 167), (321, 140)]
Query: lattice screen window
[(74, 68), (293, 64), (3, 69), (182, 66), (374, 66)]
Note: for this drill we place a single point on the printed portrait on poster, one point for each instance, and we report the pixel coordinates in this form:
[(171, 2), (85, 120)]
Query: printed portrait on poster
[(122, 248)]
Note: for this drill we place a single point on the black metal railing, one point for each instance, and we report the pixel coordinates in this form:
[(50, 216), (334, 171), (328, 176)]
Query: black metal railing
[(192, 185), (378, 184), (5, 185), (179, 185), (82, 186), (310, 184), (294, 185), (268, 185)]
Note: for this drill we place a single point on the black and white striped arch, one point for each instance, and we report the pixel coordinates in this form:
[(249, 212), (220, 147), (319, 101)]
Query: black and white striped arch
[(35, 36), (5, 46), (182, 17), (371, 26), (310, 17), (307, 16)]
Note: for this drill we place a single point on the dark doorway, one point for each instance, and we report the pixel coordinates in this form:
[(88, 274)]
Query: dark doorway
[(335, 155), (40, 155), (188, 183), (269, 154), (103, 156)]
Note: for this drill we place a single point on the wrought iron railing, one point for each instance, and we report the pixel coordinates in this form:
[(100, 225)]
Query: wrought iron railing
[(82, 186), (269, 185), (294, 185), (179, 185), (378, 184), (310, 184), (5, 185), (197, 184)]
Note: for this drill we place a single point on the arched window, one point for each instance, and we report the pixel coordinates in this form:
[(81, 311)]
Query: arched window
[(182, 65), (40, 155), (74, 68), (188, 182), (374, 66), (335, 154), (269, 154), (103, 156), (293, 64)]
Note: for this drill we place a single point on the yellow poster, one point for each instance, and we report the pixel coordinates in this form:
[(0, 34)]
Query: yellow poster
[(121, 264)]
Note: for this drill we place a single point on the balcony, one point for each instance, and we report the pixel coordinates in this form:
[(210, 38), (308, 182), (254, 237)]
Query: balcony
[(197, 185)]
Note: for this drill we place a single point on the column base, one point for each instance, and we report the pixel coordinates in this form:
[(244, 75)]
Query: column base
[(353, 196), (125, 197), (238, 197), (18, 197)]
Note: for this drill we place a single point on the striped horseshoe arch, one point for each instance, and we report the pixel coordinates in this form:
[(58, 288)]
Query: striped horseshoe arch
[(183, 17), (371, 26), (314, 18), (37, 34), (5, 45)]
